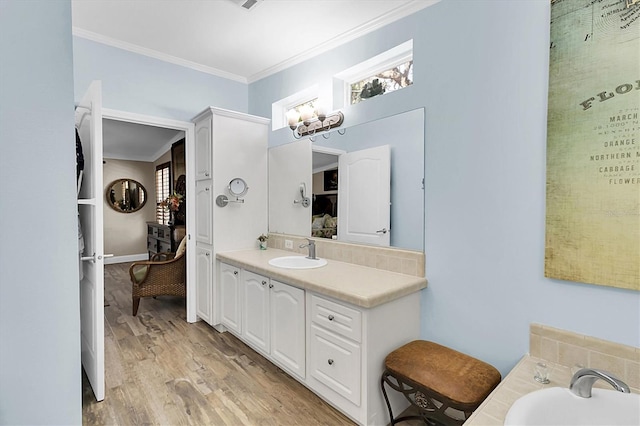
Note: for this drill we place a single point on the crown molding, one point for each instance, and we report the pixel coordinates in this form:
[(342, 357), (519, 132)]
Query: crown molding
[(398, 13), (134, 48)]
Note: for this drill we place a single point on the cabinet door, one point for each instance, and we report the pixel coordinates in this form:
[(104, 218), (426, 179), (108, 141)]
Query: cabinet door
[(203, 284), (288, 327), (256, 310), (204, 217), (230, 309), (203, 149)]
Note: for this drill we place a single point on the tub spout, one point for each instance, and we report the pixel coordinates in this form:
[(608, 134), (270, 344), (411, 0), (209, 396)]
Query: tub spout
[(582, 382)]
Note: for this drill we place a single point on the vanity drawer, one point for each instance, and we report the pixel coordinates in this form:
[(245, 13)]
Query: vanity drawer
[(337, 318), (335, 362)]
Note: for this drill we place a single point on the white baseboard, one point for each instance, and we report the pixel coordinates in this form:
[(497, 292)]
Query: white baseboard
[(126, 259)]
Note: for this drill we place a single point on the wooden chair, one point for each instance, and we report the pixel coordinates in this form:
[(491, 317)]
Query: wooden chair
[(164, 275)]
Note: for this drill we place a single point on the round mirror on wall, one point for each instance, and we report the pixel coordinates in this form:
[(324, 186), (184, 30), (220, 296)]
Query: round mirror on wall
[(126, 195)]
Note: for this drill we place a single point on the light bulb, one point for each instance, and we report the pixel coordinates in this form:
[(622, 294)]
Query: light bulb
[(321, 110), (292, 118), (306, 113)]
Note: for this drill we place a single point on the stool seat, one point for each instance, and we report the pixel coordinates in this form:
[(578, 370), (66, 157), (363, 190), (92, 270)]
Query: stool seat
[(448, 377)]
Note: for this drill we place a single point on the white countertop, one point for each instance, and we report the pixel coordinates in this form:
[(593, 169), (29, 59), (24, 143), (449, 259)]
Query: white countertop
[(358, 285)]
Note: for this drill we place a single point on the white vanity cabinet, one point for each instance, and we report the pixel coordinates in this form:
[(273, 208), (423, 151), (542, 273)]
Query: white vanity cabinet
[(346, 348), (230, 297), (331, 329), (274, 321)]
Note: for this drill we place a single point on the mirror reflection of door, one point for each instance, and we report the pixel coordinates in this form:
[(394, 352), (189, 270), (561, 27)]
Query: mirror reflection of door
[(364, 196)]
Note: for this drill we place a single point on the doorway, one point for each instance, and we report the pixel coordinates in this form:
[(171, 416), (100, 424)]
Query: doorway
[(183, 130)]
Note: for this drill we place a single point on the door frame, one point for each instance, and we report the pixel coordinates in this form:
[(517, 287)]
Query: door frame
[(189, 130)]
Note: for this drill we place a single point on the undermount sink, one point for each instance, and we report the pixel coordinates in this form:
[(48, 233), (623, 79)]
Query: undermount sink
[(559, 406), (297, 262)]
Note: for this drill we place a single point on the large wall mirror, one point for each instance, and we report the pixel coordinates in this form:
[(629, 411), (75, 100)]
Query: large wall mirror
[(366, 186), (126, 195)]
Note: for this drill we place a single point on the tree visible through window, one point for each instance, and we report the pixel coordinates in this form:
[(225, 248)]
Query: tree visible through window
[(163, 188), (383, 82)]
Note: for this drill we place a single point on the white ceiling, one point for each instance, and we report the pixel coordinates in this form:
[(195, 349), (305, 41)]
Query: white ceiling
[(136, 142), (222, 38)]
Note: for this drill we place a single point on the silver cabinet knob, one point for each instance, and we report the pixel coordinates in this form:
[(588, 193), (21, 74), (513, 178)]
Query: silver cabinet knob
[(264, 283), (331, 317), (330, 361), (270, 285), (235, 272)]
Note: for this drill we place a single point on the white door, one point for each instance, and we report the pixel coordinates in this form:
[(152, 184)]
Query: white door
[(89, 125), (364, 196), (289, 168)]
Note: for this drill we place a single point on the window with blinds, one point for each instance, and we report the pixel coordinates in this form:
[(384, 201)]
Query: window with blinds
[(163, 188)]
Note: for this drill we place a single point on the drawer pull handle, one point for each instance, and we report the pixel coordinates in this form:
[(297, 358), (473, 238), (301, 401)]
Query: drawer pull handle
[(270, 285), (264, 282), (235, 272), (330, 317), (330, 361)]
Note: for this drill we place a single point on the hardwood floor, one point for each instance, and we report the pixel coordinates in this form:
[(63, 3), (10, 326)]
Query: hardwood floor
[(162, 370)]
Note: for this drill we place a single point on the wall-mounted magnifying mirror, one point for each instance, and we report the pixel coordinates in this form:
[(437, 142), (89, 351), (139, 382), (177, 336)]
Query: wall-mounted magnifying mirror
[(238, 187), (126, 195)]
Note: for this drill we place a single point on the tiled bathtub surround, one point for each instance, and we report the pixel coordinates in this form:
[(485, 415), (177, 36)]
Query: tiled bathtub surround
[(561, 350), (571, 349), (407, 262)]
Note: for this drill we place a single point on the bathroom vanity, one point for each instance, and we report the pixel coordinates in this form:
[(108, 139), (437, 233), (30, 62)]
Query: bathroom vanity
[(330, 328)]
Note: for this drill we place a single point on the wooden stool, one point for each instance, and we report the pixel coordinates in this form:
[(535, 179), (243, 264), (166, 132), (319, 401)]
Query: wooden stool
[(444, 385)]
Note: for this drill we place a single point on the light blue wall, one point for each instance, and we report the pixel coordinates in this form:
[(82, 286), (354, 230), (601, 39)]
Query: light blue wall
[(40, 373), (145, 85), (481, 70)]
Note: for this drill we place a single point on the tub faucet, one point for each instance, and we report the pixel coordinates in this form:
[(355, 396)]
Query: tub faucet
[(582, 382), (312, 248)]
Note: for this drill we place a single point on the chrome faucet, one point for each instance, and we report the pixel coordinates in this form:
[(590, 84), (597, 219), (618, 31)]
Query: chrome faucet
[(582, 382), (312, 248)]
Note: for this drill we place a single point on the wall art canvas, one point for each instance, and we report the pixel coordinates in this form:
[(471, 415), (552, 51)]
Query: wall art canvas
[(593, 143)]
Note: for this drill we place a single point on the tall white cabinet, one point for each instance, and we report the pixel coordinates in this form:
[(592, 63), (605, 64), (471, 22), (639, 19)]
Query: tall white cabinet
[(228, 145)]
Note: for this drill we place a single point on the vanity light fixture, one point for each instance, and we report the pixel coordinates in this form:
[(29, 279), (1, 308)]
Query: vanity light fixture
[(303, 123)]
